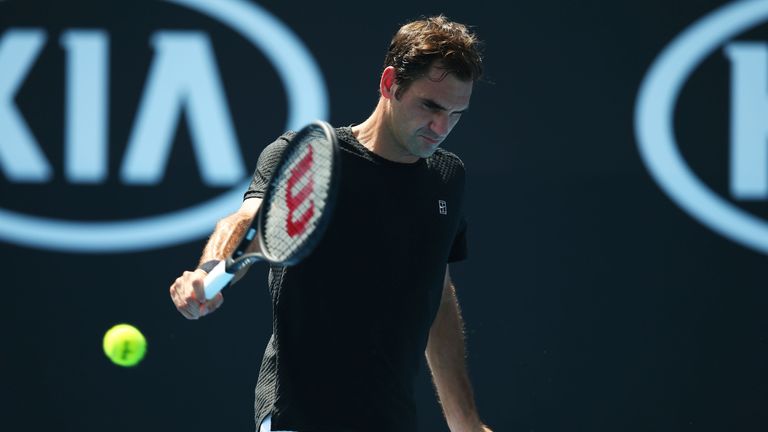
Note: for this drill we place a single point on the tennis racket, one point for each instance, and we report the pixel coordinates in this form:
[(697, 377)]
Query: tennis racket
[(296, 208)]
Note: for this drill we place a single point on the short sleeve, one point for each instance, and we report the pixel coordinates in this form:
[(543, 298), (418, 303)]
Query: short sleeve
[(266, 165), (459, 246)]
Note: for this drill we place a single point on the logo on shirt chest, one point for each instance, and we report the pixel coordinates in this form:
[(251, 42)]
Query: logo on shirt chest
[(442, 207)]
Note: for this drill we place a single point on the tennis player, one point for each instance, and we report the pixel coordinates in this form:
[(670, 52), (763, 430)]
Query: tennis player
[(351, 321)]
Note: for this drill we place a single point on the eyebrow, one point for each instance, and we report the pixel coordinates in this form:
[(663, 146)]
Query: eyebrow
[(434, 105)]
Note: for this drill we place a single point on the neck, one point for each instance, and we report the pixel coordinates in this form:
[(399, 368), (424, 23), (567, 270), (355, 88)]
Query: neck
[(376, 134)]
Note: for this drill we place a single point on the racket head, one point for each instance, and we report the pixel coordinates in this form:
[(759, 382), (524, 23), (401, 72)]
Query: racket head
[(300, 196)]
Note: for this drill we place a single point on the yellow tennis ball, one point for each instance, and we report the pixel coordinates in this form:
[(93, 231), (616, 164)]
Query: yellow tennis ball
[(124, 345)]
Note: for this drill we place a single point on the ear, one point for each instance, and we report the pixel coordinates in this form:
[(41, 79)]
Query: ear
[(387, 85)]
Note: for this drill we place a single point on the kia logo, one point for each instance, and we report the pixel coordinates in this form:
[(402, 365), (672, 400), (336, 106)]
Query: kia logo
[(183, 78), (748, 146)]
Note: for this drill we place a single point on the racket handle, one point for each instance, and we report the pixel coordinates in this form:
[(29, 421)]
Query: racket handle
[(217, 279)]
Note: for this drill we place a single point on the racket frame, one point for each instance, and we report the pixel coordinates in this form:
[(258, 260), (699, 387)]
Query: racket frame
[(330, 201), (220, 276)]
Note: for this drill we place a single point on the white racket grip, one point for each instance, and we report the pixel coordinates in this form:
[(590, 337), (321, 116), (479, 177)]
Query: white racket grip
[(217, 279)]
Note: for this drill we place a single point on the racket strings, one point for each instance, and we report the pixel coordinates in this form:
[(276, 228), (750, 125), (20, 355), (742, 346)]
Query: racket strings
[(301, 190)]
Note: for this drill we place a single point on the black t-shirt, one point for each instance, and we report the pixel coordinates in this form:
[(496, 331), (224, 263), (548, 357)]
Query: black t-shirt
[(351, 321)]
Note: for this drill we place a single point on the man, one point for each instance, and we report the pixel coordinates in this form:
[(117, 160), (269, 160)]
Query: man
[(352, 319)]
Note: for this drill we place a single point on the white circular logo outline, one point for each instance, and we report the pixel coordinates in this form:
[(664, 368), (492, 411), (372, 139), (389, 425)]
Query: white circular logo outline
[(307, 101), (654, 115)]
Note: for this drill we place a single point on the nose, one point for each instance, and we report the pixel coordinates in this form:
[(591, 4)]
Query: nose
[(440, 124)]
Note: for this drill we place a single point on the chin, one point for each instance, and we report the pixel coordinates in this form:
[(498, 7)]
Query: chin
[(425, 153), (423, 150)]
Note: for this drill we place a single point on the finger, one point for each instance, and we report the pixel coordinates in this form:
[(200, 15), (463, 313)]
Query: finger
[(186, 313), (215, 303), (172, 292), (177, 292), (177, 298), (188, 309), (192, 309), (211, 305), (182, 295), (198, 286), (184, 309)]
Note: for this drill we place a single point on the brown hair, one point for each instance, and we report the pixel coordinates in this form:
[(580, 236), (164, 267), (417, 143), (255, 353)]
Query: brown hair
[(417, 45)]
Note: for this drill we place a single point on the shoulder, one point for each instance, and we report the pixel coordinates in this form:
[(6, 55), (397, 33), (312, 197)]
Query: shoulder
[(444, 156), (280, 142), (447, 164), (272, 152)]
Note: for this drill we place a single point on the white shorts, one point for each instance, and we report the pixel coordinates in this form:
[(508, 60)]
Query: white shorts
[(266, 425)]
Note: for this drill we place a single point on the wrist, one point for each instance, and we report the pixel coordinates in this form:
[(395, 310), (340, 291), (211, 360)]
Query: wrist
[(208, 265)]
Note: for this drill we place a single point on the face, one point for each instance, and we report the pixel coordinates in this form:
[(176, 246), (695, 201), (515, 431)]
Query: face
[(426, 112)]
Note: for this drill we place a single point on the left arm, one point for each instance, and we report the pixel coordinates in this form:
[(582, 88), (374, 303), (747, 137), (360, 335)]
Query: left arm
[(445, 356)]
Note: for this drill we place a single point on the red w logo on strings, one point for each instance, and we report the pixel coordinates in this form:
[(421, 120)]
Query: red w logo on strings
[(294, 200)]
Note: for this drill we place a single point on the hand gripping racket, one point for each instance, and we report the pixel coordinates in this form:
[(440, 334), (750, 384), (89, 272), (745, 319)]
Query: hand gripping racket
[(296, 208)]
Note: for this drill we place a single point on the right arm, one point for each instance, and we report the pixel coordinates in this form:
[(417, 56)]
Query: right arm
[(229, 231), (187, 292)]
